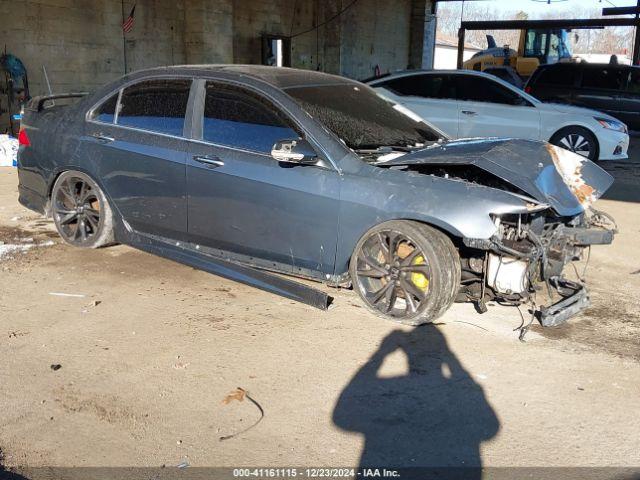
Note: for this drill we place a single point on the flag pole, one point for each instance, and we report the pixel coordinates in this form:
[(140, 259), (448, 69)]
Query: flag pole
[(124, 41)]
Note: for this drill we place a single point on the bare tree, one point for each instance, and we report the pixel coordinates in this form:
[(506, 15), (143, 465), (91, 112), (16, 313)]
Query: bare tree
[(609, 40)]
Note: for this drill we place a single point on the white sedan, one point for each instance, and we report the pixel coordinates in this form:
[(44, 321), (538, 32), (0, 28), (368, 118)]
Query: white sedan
[(464, 103)]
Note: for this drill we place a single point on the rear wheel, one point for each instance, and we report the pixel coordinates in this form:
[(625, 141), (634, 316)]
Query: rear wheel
[(81, 212), (406, 271), (578, 140)]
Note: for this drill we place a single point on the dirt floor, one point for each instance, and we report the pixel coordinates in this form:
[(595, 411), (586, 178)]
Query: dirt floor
[(148, 349)]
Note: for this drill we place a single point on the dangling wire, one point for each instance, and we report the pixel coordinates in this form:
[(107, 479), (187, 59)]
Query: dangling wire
[(525, 328)]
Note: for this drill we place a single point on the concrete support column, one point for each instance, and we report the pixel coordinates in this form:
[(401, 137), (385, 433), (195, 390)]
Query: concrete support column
[(208, 31), (422, 34), (331, 36)]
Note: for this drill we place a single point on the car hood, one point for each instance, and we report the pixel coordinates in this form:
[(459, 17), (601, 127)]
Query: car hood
[(563, 108), (567, 182)]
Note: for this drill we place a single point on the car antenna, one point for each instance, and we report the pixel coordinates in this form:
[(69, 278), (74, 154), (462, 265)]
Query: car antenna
[(46, 79)]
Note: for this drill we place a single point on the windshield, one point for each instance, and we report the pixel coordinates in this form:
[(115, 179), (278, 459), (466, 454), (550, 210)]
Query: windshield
[(362, 119), (547, 45)]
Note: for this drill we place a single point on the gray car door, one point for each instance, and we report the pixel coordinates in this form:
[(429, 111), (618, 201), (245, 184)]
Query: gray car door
[(630, 100), (139, 153), (241, 201), (601, 88)]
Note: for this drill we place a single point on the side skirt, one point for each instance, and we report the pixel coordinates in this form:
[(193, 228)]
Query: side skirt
[(232, 271)]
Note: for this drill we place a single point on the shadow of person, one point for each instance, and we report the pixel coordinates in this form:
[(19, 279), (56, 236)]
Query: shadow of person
[(434, 416)]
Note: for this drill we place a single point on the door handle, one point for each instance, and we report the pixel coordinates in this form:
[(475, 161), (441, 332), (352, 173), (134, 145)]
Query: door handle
[(469, 112), (209, 160), (103, 138)]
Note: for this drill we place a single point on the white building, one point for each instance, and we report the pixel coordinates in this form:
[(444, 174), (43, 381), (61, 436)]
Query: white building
[(446, 55)]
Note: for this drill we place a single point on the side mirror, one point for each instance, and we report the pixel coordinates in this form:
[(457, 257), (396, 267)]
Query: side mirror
[(294, 151)]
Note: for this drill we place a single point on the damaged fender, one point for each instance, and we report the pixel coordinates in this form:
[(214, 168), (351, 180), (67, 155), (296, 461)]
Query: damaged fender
[(565, 181)]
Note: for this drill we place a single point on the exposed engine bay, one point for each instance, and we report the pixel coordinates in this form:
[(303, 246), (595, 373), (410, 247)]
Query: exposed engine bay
[(524, 260)]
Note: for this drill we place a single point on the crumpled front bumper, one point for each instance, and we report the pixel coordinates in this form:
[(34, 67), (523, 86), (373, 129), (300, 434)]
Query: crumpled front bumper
[(564, 247), (575, 298)]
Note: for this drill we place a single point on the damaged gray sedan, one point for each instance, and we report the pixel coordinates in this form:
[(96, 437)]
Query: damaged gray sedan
[(241, 170)]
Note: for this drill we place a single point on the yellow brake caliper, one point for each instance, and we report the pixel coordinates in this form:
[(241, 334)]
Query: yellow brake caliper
[(419, 279)]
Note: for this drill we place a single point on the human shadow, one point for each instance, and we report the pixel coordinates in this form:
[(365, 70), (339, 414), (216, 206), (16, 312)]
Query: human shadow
[(429, 420)]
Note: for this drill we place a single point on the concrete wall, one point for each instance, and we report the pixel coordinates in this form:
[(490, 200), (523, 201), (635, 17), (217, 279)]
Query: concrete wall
[(81, 42), (375, 33), (208, 31)]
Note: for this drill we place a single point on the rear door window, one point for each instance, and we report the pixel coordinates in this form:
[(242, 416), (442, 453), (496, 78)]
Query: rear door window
[(560, 75), (242, 119), (155, 105), (478, 89), (633, 85), (427, 86), (603, 78)]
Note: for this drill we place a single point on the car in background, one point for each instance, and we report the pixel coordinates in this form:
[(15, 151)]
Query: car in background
[(466, 104), (613, 89)]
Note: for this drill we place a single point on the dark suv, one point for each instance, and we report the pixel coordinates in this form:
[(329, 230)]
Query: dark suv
[(613, 89)]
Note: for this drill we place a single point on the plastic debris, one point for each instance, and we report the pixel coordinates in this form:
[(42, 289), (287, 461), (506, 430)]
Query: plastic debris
[(8, 151)]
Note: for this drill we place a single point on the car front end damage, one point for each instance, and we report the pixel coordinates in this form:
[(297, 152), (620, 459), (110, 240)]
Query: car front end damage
[(525, 259), (525, 262)]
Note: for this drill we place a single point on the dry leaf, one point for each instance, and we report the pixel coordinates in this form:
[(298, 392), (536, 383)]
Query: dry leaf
[(237, 394)]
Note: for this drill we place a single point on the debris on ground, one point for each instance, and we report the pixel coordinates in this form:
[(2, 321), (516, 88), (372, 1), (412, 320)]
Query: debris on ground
[(72, 295), (20, 246), (237, 394), (240, 394), (55, 366), (16, 334)]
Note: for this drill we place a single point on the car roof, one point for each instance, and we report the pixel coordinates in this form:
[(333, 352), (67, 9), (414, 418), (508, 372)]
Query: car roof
[(408, 73), (470, 73), (585, 65), (281, 77)]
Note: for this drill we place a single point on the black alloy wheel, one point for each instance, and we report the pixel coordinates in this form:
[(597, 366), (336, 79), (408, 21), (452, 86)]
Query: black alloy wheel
[(406, 271), (80, 211)]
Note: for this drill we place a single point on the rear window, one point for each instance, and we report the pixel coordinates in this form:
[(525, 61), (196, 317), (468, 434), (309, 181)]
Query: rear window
[(428, 86), (603, 78), (156, 105), (561, 75)]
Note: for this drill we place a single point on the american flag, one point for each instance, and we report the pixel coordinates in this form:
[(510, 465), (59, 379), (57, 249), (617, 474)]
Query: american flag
[(127, 25)]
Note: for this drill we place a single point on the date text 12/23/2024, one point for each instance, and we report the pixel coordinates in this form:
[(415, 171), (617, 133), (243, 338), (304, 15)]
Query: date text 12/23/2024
[(315, 473)]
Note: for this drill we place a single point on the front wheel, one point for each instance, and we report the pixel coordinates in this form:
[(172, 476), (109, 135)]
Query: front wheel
[(406, 271), (81, 212), (577, 140)]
